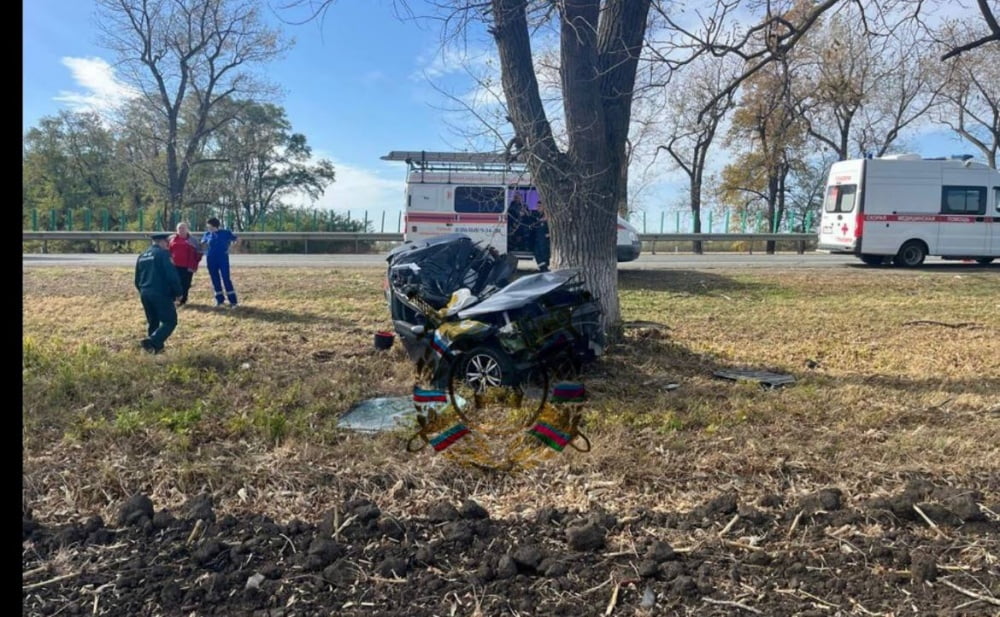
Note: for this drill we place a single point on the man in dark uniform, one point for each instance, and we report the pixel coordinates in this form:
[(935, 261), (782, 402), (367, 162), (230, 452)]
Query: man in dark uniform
[(518, 225), (540, 239), (158, 284)]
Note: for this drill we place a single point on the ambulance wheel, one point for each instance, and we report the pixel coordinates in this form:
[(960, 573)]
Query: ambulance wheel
[(985, 260), (873, 260), (911, 254)]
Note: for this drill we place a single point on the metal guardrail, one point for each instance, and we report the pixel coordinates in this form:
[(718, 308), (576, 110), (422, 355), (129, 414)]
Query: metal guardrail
[(358, 237), (125, 236), (286, 236)]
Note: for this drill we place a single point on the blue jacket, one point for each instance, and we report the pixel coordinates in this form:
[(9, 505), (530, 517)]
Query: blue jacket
[(217, 242)]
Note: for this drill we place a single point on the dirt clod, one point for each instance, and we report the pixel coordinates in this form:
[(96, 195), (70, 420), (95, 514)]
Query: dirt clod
[(133, 510), (586, 537)]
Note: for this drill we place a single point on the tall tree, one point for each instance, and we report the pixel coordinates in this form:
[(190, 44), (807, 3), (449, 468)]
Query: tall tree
[(695, 114), (858, 91), (581, 177), (969, 98), (185, 57), (990, 39), (69, 163), (581, 184), (769, 131), (261, 161)]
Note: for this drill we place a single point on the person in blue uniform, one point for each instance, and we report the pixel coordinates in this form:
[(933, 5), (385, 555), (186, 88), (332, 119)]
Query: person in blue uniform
[(216, 242), (159, 286)]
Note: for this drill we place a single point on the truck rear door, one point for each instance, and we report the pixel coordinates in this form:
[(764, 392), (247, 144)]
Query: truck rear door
[(839, 224)]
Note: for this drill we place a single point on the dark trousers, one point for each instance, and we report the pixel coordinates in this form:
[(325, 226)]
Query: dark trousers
[(218, 271), (541, 247), (185, 276), (161, 317)]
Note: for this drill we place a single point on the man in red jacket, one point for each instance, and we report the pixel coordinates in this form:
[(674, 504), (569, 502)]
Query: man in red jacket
[(185, 254)]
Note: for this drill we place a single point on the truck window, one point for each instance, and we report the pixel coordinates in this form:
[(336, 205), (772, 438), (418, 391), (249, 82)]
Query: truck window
[(479, 199), (840, 198), (963, 200), (996, 198)]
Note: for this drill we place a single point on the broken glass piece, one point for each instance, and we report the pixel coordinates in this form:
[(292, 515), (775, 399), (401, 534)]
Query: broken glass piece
[(765, 378), (379, 414)]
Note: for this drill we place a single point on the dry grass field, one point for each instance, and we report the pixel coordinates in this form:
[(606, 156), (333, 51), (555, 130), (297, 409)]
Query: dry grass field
[(828, 496)]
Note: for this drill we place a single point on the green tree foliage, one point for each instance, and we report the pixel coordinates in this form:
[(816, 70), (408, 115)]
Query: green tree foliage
[(69, 163), (258, 162), (81, 168)]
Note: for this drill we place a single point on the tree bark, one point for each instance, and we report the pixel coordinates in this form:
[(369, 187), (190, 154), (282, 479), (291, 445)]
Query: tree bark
[(580, 188)]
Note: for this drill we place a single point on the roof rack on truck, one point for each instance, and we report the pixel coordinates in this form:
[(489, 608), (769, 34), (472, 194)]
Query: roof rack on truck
[(424, 160)]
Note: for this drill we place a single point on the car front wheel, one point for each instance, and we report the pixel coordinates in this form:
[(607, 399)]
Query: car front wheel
[(483, 367)]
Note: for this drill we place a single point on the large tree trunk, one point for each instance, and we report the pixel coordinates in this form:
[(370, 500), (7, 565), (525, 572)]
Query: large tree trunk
[(696, 246), (581, 187)]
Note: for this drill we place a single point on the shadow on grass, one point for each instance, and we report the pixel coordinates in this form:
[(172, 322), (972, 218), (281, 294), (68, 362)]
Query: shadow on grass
[(244, 311), (685, 281), (952, 267)]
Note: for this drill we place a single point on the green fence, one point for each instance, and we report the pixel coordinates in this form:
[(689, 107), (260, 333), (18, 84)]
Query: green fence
[(680, 222)]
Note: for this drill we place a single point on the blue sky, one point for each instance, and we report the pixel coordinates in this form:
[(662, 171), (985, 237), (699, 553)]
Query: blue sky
[(359, 83), (356, 84)]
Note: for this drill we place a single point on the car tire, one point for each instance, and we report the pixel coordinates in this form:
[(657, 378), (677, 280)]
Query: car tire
[(911, 254), (482, 367), (985, 260)]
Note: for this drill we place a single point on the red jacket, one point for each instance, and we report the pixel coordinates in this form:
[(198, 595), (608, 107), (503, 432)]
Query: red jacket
[(184, 252)]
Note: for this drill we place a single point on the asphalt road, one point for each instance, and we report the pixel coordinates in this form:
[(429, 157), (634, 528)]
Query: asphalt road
[(662, 261)]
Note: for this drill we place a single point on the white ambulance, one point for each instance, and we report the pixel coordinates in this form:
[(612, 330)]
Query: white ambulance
[(903, 207), (470, 193)]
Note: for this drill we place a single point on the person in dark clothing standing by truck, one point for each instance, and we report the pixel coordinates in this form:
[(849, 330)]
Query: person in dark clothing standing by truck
[(159, 286), (540, 239), (518, 225)]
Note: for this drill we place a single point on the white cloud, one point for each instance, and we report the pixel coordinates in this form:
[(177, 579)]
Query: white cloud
[(359, 190), (448, 61), (102, 91)]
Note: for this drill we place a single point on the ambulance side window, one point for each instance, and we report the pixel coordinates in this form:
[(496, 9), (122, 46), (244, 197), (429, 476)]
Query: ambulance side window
[(477, 199), (963, 200)]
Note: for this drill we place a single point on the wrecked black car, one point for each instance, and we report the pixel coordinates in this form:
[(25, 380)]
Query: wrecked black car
[(461, 316)]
